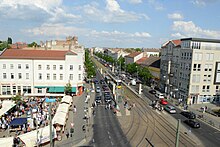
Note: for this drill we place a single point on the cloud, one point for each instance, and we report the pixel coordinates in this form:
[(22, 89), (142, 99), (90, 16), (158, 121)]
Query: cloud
[(176, 16), (37, 10), (189, 29), (202, 3), (135, 1), (112, 13), (157, 5)]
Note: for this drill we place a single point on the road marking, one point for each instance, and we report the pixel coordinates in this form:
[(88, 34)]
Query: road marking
[(108, 132), (112, 143), (109, 137), (158, 112), (93, 140)]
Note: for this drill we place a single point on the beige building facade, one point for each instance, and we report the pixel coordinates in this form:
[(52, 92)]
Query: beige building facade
[(190, 70)]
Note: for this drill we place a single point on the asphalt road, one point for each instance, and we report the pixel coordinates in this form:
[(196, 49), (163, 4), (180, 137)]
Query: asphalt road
[(208, 135), (107, 130)]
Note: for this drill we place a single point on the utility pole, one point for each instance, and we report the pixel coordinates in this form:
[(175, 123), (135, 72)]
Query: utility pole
[(177, 134)]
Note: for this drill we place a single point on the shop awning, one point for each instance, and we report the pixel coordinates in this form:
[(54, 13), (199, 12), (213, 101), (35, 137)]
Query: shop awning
[(56, 89), (6, 142)]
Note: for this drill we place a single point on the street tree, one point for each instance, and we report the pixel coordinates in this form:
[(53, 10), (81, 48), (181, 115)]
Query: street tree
[(68, 89)]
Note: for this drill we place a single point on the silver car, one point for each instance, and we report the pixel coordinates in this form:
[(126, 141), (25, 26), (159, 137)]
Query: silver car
[(170, 109)]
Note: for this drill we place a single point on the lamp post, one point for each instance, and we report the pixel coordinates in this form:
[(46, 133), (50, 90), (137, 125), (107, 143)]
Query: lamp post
[(137, 71)]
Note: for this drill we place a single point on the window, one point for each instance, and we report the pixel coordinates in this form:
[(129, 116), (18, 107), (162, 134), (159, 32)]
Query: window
[(79, 76), (209, 57), (19, 76), (208, 67), (197, 56), (12, 76), (11, 66), (19, 90), (4, 66), (27, 66), (71, 77), (48, 67), (27, 89), (195, 88), (54, 67), (39, 90), (54, 76), (61, 76), (61, 67), (197, 67), (48, 76), (14, 90), (71, 67), (4, 76), (196, 78), (79, 67), (27, 76), (6, 90), (39, 67), (19, 66), (205, 88), (40, 76)]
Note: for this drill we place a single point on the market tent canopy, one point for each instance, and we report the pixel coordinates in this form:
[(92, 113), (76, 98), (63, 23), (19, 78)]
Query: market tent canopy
[(18, 121), (6, 142), (63, 108), (55, 88), (30, 138), (59, 118), (66, 99), (6, 106)]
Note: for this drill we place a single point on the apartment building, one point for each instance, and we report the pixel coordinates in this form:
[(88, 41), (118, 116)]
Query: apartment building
[(35, 72), (190, 70)]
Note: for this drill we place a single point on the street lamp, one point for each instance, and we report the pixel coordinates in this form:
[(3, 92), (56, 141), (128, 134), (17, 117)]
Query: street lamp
[(137, 71)]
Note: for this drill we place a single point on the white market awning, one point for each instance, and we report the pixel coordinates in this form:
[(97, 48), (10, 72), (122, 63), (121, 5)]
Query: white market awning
[(30, 138), (6, 105), (63, 108), (67, 99), (59, 118), (6, 142)]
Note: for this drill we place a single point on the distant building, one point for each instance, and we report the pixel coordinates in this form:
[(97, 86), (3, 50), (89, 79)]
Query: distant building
[(190, 70), (18, 45), (151, 52), (133, 57)]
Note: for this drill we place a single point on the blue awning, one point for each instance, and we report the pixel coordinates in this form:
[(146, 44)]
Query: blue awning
[(18, 121), (59, 89)]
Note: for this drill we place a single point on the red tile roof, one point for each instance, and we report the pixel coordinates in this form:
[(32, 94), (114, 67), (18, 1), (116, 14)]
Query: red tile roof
[(132, 55), (35, 54), (141, 60), (176, 42)]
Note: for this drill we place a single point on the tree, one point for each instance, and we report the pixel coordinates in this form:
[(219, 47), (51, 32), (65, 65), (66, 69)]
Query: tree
[(33, 44), (17, 99), (9, 40), (68, 89)]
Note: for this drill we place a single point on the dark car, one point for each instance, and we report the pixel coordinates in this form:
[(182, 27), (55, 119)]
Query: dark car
[(192, 123), (152, 91), (104, 87), (102, 81), (188, 114), (98, 100), (96, 81)]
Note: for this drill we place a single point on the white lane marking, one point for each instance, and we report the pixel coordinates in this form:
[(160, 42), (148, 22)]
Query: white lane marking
[(109, 137), (112, 143), (93, 140), (108, 132)]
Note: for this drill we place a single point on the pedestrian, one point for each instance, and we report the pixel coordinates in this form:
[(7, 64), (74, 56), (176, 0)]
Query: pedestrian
[(71, 132), (74, 108), (67, 134)]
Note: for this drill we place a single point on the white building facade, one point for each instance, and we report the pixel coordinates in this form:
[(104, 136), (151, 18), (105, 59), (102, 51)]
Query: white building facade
[(39, 72), (191, 70)]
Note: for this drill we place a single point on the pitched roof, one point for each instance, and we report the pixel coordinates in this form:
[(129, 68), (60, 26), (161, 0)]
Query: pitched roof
[(140, 61), (152, 61), (176, 42), (35, 54), (132, 55)]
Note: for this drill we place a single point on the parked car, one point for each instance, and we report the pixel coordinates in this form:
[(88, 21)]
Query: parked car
[(163, 102), (98, 90), (133, 82), (102, 81), (170, 109), (159, 95), (107, 98), (192, 123), (98, 100), (152, 91), (188, 114)]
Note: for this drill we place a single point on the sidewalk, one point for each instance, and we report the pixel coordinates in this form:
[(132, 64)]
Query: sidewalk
[(79, 137)]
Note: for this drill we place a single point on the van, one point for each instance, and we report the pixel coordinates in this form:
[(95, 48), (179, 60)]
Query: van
[(159, 95)]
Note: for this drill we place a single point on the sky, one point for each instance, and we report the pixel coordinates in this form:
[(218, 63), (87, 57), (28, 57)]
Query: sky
[(109, 23)]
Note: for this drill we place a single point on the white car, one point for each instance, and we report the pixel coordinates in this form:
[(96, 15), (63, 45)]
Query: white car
[(98, 90), (159, 95), (133, 82), (170, 109)]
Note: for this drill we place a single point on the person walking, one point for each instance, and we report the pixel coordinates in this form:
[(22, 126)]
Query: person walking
[(67, 134)]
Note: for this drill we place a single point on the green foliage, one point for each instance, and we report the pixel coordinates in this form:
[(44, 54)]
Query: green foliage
[(33, 44), (131, 68), (90, 68), (3, 45), (9, 40), (17, 99), (68, 88), (138, 50), (121, 62)]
